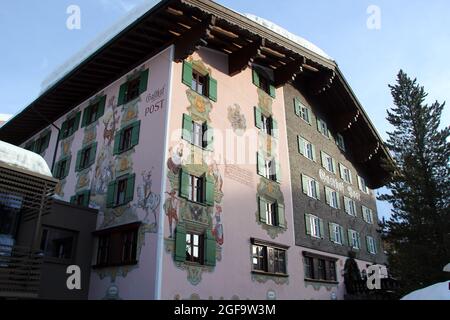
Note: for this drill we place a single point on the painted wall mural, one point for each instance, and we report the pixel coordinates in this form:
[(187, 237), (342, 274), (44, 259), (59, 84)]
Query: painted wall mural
[(237, 119)]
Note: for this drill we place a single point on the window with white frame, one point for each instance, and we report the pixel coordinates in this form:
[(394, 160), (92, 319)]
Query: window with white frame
[(323, 128), (354, 239), (367, 214), (345, 172), (332, 198), (340, 141), (310, 187), (371, 247), (306, 148), (350, 206), (336, 233), (328, 162), (314, 226), (362, 185), (302, 111)]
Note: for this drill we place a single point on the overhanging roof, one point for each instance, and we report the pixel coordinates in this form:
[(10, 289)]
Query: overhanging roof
[(190, 24)]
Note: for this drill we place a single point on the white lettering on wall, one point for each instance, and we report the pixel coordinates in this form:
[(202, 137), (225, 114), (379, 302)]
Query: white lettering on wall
[(338, 185)]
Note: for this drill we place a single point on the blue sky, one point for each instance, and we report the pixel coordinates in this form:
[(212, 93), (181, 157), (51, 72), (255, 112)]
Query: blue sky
[(414, 36)]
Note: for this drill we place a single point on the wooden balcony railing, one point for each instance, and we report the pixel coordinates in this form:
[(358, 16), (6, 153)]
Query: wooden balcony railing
[(20, 272)]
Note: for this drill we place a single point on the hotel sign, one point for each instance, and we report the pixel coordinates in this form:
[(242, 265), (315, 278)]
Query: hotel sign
[(338, 185)]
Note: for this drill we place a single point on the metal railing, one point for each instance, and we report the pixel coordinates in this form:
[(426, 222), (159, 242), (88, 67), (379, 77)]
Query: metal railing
[(20, 272)]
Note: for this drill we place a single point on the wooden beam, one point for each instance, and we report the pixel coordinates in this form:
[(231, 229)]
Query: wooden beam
[(240, 59), (191, 40), (288, 72)]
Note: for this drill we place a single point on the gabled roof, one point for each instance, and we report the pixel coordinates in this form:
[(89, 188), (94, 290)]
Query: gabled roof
[(189, 24)]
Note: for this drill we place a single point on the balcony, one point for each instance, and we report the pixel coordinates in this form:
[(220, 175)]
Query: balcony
[(20, 272)]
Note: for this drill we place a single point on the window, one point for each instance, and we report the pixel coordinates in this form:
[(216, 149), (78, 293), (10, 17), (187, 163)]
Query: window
[(350, 206), (340, 141), (133, 88), (271, 213), (268, 168), (302, 111), (86, 157), (310, 187), (58, 243), (69, 126), (262, 82), (195, 247), (81, 198), (197, 189), (362, 185), (367, 215), (332, 198), (62, 167), (371, 246), (42, 142), (120, 191), (117, 246), (328, 162), (314, 226), (199, 134), (306, 149), (10, 212), (323, 128), (336, 233), (318, 267), (93, 112), (266, 123), (127, 138), (354, 239), (201, 83), (268, 258), (346, 174)]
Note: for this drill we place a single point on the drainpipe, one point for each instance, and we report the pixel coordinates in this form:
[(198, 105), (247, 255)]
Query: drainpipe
[(57, 139)]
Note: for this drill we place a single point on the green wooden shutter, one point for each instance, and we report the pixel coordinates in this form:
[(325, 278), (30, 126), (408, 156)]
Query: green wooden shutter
[(135, 133), (262, 208), (209, 138), (86, 113), (368, 244), (111, 194), (78, 162), (323, 159), (301, 146), (209, 191), (275, 133), (349, 235), (272, 91), (317, 190), (77, 122), (319, 128), (62, 131), (101, 108), (188, 127), (277, 172), (92, 154), (180, 243), (129, 194), (143, 81), (304, 184), (184, 184), (30, 146), (297, 107), (308, 224), (86, 198), (358, 240), (46, 140), (258, 120), (122, 94), (117, 139), (213, 89), (327, 196), (331, 230), (210, 249), (280, 216), (187, 74), (338, 197), (321, 228), (313, 148), (66, 173), (255, 77), (73, 199), (343, 237), (260, 164)]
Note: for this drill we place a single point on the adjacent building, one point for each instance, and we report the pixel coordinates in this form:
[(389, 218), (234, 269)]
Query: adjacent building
[(227, 158)]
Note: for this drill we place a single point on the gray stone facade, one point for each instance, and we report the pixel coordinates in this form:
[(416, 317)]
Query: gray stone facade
[(303, 204)]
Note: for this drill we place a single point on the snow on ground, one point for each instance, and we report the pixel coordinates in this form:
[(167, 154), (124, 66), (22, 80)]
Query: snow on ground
[(23, 159), (438, 291)]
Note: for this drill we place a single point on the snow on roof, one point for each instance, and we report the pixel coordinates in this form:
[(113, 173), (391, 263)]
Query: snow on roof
[(97, 43), (5, 117), (438, 291), (23, 159), (288, 35)]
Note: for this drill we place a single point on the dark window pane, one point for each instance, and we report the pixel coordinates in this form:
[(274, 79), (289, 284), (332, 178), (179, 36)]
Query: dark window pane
[(132, 90), (58, 243)]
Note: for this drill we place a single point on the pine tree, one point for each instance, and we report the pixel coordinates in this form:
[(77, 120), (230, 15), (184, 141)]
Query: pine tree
[(418, 233)]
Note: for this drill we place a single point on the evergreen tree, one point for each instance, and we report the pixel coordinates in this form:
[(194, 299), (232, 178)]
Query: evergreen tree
[(418, 233)]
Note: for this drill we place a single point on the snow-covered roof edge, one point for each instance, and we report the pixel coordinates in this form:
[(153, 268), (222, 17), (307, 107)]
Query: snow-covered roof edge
[(23, 159)]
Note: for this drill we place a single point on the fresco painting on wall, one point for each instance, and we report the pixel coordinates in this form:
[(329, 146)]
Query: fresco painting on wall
[(237, 119)]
